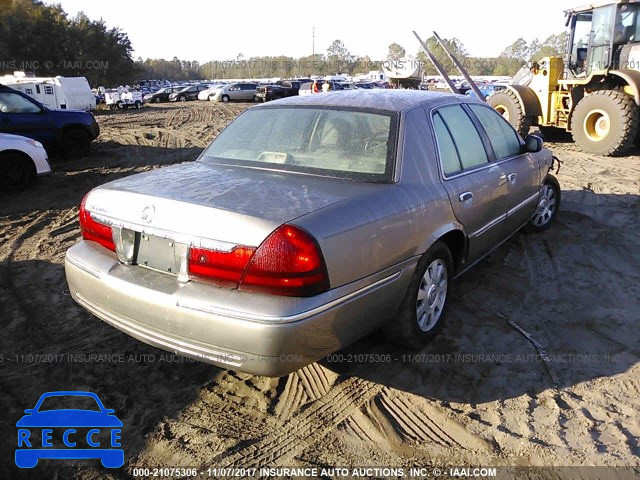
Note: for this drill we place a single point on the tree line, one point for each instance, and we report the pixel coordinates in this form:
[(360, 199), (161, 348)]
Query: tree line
[(43, 39)]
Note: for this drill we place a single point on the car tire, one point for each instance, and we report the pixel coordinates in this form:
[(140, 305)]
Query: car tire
[(605, 122), (225, 98), (424, 307), (183, 99), (138, 105), (157, 100), (119, 105), (548, 206), (507, 104), (256, 99), (17, 171), (75, 143)]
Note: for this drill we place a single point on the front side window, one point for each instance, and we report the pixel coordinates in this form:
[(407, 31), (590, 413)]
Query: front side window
[(466, 138), (346, 144), (14, 103), (503, 138)]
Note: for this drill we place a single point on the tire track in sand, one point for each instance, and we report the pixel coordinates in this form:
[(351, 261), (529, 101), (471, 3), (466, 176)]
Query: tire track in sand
[(304, 428)]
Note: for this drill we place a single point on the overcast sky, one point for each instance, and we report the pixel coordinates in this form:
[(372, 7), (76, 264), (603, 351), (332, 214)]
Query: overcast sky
[(208, 30)]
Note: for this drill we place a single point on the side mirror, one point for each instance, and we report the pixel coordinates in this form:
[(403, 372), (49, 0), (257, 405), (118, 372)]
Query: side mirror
[(533, 144)]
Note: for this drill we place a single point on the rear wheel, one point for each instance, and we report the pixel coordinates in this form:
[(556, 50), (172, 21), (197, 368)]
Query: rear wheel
[(17, 171), (157, 100), (507, 104), (138, 105), (75, 143), (424, 306), (256, 99), (605, 123)]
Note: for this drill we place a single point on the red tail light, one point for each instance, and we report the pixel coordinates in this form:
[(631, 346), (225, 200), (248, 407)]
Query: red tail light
[(290, 263), (223, 268), (95, 231)]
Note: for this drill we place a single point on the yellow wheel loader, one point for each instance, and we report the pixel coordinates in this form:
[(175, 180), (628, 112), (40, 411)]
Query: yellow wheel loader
[(594, 93)]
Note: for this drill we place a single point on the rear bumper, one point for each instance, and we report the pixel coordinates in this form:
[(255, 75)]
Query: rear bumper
[(259, 334)]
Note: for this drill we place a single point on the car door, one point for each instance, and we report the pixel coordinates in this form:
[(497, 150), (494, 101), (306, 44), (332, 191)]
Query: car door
[(520, 168), (21, 116), (476, 185)]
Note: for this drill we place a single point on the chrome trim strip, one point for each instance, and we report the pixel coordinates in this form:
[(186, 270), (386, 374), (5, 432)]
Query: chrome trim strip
[(523, 204), (226, 358), (192, 241), (489, 225), (83, 266), (272, 319)]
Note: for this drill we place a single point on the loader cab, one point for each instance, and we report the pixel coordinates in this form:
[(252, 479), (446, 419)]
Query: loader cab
[(604, 37)]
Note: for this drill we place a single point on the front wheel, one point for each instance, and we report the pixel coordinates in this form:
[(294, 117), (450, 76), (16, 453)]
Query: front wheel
[(424, 306), (75, 143), (183, 99), (17, 172), (157, 100), (225, 98), (605, 122), (548, 206)]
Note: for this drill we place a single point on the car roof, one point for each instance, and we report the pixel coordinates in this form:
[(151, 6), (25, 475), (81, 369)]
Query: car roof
[(388, 100)]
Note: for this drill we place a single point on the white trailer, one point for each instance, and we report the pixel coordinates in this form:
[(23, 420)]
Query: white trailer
[(122, 98), (58, 93)]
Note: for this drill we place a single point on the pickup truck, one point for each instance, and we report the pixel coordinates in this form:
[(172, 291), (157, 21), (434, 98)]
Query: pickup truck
[(68, 132), (280, 89)]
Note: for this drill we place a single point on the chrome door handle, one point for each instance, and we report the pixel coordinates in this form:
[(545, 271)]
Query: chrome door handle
[(465, 196), (511, 177)]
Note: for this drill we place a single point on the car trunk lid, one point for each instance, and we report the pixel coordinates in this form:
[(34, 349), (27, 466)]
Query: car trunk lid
[(159, 215)]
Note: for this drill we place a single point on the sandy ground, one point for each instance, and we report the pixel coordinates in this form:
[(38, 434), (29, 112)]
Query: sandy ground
[(479, 394)]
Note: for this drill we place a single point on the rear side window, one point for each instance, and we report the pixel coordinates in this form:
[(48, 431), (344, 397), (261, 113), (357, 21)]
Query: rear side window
[(504, 139), (469, 146), (448, 153)]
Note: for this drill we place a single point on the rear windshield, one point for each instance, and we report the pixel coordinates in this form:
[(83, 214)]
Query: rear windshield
[(348, 144)]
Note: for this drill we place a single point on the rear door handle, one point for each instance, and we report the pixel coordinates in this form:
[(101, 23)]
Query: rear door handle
[(511, 177), (463, 197)]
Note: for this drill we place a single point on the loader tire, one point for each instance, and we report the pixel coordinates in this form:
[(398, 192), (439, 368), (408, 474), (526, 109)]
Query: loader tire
[(605, 123), (507, 104)]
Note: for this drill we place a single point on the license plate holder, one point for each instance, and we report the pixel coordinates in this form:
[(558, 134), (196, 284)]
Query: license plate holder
[(157, 253)]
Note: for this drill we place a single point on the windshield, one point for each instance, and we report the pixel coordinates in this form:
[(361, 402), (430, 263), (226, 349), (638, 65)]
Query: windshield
[(627, 27), (347, 144)]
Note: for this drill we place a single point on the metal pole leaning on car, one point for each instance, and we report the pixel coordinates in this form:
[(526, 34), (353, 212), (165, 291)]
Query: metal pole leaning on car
[(437, 64), (460, 68)]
